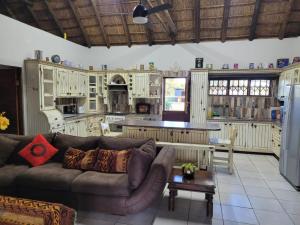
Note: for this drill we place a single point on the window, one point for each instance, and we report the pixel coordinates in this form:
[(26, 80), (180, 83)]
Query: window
[(260, 87), (175, 94), (218, 87), (238, 87)]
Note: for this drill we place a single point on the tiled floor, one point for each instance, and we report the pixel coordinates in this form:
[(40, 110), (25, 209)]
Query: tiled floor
[(255, 194)]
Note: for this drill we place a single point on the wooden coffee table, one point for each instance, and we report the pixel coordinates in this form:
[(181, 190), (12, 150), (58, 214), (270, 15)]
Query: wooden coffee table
[(203, 182)]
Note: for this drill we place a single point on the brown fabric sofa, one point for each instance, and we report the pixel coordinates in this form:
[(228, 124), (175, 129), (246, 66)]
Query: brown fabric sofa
[(87, 190)]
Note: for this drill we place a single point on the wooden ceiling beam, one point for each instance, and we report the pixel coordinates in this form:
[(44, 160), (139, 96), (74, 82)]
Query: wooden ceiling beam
[(170, 22), (77, 17), (4, 5), (286, 19), (52, 13), (168, 29), (149, 34), (125, 26), (254, 20), (197, 20), (100, 23), (31, 12), (225, 20)]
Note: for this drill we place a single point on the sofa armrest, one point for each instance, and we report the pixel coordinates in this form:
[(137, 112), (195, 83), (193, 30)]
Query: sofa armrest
[(155, 182)]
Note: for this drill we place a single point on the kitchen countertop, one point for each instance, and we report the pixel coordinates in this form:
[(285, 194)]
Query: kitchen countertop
[(80, 116), (169, 124), (244, 120)]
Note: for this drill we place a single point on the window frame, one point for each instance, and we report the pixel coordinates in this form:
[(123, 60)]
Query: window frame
[(248, 86)]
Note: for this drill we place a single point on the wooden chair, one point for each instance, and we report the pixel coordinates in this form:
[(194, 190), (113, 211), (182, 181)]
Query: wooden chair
[(105, 130), (225, 144)]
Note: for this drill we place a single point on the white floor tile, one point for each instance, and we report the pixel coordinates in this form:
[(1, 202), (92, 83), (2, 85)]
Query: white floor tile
[(232, 188), (237, 214), (295, 219), (259, 192), (266, 204), (254, 182), (227, 222), (169, 221), (280, 185), (291, 207), (287, 195), (234, 200), (250, 174), (272, 218)]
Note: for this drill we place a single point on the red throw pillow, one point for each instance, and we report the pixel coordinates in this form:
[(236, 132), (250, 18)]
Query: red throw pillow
[(38, 152)]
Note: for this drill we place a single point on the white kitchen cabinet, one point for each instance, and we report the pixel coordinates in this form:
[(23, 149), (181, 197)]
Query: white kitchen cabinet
[(83, 84), (276, 140), (281, 85), (199, 92), (73, 84), (93, 93), (62, 83), (296, 76), (82, 128), (242, 134), (141, 86), (47, 87), (76, 128), (259, 137)]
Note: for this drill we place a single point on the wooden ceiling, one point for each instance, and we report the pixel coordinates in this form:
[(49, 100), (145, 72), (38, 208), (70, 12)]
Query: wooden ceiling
[(99, 22)]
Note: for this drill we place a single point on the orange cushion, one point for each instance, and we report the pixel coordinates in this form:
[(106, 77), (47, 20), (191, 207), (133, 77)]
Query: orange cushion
[(38, 152)]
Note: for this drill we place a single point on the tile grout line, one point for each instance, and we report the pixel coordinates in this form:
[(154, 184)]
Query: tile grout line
[(217, 181), (245, 189)]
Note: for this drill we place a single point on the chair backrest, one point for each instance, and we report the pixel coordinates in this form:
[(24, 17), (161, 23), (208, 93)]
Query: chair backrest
[(104, 128), (232, 135)]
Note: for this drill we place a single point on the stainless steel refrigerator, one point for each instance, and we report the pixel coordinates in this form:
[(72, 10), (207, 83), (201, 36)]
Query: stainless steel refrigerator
[(289, 164)]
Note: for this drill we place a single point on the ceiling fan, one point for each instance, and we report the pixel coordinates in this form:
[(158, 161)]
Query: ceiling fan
[(140, 12)]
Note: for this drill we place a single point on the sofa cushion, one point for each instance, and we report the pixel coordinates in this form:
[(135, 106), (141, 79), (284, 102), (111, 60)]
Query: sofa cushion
[(7, 146), (23, 141), (38, 152), (106, 184), (63, 141), (8, 174), (112, 161), (73, 158), (139, 164), (50, 176), (89, 160), (120, 143)]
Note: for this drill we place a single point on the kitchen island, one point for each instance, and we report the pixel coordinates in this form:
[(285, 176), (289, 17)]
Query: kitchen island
[(184, 133)]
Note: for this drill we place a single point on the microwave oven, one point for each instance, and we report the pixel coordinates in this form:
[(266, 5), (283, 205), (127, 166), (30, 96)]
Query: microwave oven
[(67, 109)]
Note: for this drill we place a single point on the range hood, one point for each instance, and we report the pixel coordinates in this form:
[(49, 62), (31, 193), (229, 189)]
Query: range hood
[(117, 87)]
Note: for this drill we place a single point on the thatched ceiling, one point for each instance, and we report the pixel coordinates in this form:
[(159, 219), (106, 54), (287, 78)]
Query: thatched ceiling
[(97, 22)]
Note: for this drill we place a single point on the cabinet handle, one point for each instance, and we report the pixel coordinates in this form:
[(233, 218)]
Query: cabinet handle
[(255, 126), (171, 133), (140, 129), (145, 129), (278, 145), (225, 124), (230, 124), (252, 125), (182, 132), (187, 132)]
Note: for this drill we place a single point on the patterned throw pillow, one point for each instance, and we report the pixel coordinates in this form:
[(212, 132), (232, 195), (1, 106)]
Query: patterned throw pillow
[(89, 160), (38, 152), (112, 161), (78, 159), (73, 158)]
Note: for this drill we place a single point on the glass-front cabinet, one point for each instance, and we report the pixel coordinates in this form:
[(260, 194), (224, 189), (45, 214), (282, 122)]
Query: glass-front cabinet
[(47, 87), (93, 93)]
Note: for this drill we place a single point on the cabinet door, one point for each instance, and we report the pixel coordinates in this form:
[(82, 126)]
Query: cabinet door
[(47, 87), (260, 137), (83, 88), (71, 129), (242, 134), (218, 134), (141, 86), (93, 94), (73, 83), (296, 76), (82, 128), (199, 82), (62, 83)]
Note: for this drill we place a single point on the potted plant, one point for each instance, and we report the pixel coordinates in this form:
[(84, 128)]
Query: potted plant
[(4, 122), (188, 170)]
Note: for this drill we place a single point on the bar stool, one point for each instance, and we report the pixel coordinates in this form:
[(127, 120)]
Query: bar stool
[(225, 144), (105, 130)]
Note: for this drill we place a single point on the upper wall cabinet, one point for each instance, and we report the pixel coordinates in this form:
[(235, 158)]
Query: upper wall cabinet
[(47, 87), (140, 86), (288, 77)]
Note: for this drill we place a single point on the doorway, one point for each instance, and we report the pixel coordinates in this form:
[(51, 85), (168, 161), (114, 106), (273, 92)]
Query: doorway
[(176, 105), (11, 98)]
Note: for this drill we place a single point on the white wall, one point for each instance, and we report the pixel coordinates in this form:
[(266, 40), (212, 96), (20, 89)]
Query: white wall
[(183, 55), (18, 42)]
